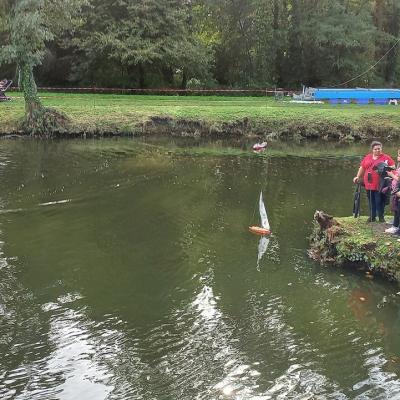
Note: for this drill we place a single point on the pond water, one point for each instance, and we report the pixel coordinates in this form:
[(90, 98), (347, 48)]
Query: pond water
[(127, 272)]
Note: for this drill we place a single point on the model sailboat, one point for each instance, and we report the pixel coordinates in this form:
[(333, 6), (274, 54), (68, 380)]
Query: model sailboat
[(264, 229)]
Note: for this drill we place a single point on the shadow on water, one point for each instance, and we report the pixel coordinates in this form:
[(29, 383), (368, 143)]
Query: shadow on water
[(128, 273)]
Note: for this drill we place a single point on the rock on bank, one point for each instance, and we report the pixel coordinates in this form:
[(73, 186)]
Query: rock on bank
[(352, 242)]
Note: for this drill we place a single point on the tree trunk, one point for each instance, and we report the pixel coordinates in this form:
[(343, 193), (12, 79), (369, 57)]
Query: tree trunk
[(279, 7), (295, 71), (379, 11), (380, 46), (39, 120), (184, 80), (29, 89), (394, 29), (142, 82), (168, 75)]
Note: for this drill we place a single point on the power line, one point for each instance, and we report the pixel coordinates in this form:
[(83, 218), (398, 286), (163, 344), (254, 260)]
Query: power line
[(373, 66)]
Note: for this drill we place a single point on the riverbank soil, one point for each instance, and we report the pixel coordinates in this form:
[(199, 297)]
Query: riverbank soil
[(209, 116), (353, 242)]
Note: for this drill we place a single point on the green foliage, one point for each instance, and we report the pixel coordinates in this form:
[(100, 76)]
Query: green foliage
[(140, 37), (330, 41), (387, 21), (27, 26), (241, 35), (361, 244), (234, 43)]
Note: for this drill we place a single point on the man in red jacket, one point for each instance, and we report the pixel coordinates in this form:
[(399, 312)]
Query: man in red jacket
[(368, 170)]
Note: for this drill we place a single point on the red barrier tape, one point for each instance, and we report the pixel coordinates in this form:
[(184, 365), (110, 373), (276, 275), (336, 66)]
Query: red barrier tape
[(166, 91)]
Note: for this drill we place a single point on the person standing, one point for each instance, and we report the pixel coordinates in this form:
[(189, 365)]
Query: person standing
[(395, 175), (370, 176)]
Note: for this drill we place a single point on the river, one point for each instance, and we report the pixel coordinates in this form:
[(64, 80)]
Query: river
[(127, 272)]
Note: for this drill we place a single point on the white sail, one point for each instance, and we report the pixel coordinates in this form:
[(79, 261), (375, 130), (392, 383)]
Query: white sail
[(263, 214)]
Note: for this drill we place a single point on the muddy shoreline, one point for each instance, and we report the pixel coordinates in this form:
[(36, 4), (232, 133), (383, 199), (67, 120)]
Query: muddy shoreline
[(241, 128)]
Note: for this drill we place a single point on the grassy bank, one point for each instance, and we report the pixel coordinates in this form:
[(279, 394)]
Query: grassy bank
[(205, 115), (354, 242)]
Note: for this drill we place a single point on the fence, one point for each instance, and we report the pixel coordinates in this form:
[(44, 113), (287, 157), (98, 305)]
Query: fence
[(277, 93)]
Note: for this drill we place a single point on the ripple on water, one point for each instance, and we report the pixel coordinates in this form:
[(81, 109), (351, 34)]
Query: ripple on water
[(213, 340), (60, 362)]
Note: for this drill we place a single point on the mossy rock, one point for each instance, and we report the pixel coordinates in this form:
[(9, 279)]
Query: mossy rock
[(349, 241)]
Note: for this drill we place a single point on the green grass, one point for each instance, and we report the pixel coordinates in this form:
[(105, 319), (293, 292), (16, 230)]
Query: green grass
[(124, 112), (367, 243)]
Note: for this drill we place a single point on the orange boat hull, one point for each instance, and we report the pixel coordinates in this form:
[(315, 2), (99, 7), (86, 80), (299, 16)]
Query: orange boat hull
[(257, 230)]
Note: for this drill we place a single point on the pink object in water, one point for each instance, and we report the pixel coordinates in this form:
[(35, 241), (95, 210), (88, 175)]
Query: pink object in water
[(260, 146)]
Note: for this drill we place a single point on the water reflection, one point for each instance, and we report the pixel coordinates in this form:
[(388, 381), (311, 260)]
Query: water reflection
[(262, 248), (209, 359)]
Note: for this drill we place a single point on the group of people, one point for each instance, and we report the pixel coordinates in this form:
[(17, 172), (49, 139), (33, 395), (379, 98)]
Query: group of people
[(381, 178)]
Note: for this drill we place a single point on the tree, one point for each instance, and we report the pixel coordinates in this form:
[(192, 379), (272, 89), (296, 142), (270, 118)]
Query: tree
[(27, 27), (249, 40), (143, 38), (330, 41), (387, 21), (156, 43)]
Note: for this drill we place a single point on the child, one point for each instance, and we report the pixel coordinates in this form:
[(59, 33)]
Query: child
[(395, 197)]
